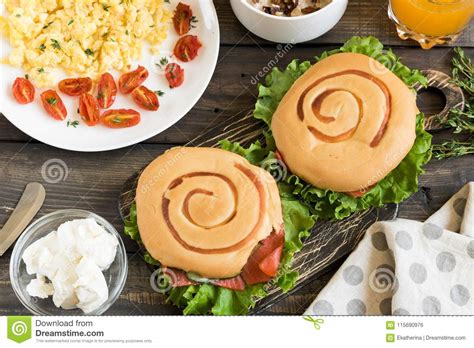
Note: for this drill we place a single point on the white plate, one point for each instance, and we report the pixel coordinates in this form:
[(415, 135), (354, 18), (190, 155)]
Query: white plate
[(34, 121)]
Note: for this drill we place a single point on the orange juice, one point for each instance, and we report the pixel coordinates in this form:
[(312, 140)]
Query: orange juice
[(434, 18)]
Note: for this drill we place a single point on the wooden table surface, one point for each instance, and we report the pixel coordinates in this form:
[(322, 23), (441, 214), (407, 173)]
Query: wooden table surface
[(93, 181)]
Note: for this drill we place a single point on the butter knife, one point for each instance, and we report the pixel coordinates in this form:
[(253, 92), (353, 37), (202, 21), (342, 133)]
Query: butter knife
[(26, 209)]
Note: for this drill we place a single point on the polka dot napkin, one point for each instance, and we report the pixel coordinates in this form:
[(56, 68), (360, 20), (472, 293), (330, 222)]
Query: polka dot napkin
[(405, 267)]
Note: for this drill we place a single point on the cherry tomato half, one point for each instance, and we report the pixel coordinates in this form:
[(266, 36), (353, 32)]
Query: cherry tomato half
[(121, 118), (187, 48), (129, 81), (53, 105), (145, 98), (106, 91), (183, 15), (89, 109), (23, 91), (75, 87), (174, 74)]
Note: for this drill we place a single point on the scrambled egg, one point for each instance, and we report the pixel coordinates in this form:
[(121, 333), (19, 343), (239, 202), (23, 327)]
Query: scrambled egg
[(83, 37)]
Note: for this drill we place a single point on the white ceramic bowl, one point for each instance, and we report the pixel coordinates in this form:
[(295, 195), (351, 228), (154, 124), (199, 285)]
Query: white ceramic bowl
[(288, 29)]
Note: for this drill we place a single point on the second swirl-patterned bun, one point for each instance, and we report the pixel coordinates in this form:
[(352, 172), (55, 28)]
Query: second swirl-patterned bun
[(346, 123), (205, 210)]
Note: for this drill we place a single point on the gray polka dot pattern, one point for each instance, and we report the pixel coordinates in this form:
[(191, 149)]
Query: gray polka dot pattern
[(470, 249), (432, 231), (459, 205), (401, 311), (356, 307), (417, 273), (386, 306), (431, 306), (408, 268), (459, 295), (323, 307), (353, 275), (445, 261), (404, 240), (379, 241)]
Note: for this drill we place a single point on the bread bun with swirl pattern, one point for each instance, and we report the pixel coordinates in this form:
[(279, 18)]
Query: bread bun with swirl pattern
[(204, 210), (346, 123)]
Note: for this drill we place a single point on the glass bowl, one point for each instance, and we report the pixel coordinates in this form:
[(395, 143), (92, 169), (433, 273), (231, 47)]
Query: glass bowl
[(115, 276)]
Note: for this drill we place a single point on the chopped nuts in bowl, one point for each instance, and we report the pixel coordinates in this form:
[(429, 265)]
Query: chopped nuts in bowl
[(289, 8), (289, 21)]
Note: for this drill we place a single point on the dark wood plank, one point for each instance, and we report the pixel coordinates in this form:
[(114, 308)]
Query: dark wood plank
[(233, 88), (89, 182), (362, 17), (94, 183)]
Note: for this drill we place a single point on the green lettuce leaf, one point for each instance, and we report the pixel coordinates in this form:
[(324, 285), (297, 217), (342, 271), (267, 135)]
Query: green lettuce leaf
[(130, 224), (131, 230), (278, 82)]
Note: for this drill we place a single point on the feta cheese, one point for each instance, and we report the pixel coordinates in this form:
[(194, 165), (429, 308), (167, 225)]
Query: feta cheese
[(91, 288), (39, 288), (63, 283), (68, 264), (39, 257), (67, 239), (87, 238)]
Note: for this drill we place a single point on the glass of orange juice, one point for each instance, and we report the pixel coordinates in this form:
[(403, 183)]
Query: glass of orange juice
[(430, 22)]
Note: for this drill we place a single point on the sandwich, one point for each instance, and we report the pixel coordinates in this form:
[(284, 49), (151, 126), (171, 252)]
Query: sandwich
[(207, 215), (346, 130), (345, 124), (213, 225)]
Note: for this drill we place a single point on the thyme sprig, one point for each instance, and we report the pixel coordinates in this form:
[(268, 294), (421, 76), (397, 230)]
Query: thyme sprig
[(454, 148), (463, 71), (460, 120)]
